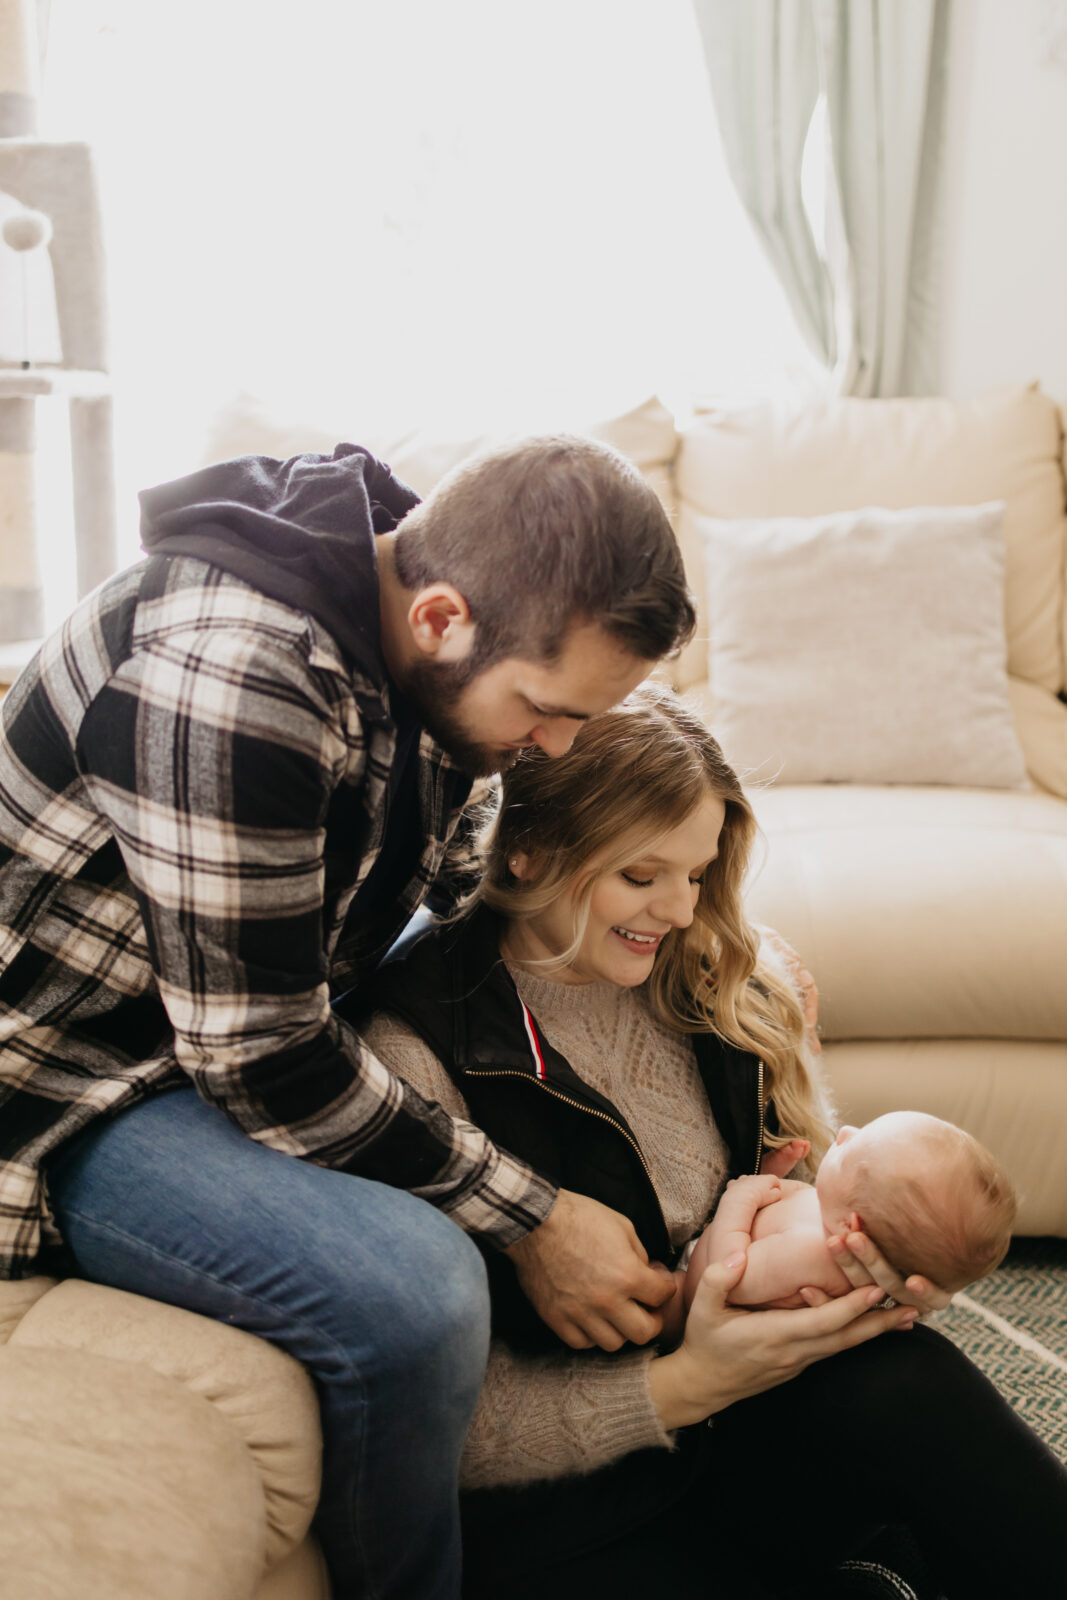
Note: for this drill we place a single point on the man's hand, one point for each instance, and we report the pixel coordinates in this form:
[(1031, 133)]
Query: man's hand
[(587, 1274)]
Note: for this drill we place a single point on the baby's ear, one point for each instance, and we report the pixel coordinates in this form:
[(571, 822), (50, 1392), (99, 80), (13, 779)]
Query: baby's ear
[(855, 1223)]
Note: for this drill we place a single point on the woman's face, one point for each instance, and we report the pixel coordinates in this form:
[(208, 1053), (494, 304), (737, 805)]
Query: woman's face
[(632, 910)]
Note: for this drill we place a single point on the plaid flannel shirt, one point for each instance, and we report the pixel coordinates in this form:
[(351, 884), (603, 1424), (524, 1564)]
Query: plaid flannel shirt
[(193, 785)]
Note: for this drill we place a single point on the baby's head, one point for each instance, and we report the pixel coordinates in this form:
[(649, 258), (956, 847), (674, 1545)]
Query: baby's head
[(932, 1198)]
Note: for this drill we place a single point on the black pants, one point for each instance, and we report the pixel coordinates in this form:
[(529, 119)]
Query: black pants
[(903, 1430)]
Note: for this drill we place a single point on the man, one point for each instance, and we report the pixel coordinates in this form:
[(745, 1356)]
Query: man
[(225, 786)]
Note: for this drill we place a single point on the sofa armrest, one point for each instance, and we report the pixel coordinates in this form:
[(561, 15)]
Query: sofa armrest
[(118, 1482), (266, 1397)]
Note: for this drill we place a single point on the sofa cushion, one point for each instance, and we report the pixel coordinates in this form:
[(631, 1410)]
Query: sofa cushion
[(1063, 463), (1041, 724), (266, 1397), (645, 434), (923, 913), (1011, 1097), (17, 1296), (862, 646), (301, 1575), (118, 1483), (840, 454)]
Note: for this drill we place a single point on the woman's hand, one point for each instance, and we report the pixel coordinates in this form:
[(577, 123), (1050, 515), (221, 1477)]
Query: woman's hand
[(809, 994), (780, 1163), (728, 1353), (863, 1263)]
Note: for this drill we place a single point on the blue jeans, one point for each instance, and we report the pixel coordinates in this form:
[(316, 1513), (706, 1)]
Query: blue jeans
[(378, 1295)]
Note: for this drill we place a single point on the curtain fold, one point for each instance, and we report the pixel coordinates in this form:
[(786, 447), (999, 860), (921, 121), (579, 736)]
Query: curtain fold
[(880, 64), (762, 62)]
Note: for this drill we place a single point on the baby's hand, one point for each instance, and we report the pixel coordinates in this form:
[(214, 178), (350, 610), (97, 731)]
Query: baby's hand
[(762, 1187)]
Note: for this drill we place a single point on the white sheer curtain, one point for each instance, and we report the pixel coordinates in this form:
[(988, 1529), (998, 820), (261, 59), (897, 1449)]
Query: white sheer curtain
[(403, 212), (869, 306), (764, 73)]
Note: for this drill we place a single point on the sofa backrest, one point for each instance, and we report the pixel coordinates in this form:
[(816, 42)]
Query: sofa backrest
[(646, 434), (828, 455), (841, 454)]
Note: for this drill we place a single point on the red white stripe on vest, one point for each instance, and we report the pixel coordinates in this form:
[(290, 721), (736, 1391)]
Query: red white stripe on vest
[(535, 1043)]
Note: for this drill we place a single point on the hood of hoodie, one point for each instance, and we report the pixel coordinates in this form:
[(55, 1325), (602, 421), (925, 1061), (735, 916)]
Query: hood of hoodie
[(300, 531)]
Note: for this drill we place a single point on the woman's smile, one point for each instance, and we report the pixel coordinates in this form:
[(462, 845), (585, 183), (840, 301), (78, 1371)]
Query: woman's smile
[(641, 943), (631, 909)]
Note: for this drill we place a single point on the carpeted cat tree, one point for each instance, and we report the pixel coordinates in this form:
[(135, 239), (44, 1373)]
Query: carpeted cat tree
[(55, 188)]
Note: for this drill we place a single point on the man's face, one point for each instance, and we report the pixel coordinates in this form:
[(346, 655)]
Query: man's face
[(482, 722)]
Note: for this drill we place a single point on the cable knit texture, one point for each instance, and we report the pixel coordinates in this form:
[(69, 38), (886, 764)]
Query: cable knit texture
[(650, 1073), (552, 1416)]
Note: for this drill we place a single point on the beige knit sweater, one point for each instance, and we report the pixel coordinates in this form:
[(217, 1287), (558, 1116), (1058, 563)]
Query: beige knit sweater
[(550, 1416)]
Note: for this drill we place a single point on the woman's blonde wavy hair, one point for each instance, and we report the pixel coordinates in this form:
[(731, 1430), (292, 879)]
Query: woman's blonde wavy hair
[(631, 776)]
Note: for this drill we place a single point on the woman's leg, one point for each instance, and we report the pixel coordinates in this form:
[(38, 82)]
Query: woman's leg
[(909, 1430), (784, 1487), (378, 1295), (647, 1525)]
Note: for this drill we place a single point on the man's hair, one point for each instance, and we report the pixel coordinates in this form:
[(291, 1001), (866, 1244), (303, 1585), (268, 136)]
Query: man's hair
[(544, 534), (946, 1211)]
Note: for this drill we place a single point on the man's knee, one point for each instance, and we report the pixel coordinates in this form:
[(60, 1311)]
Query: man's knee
[(463, 1309), (451, 1318), (417, 1298)]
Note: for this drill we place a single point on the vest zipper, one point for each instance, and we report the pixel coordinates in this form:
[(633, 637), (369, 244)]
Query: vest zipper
[(759, 1130), (547, 1088)]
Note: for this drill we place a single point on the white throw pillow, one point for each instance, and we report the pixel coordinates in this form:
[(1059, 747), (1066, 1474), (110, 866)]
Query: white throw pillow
[(862, 647)]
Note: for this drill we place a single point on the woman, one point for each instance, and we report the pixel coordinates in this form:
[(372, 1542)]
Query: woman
[(606, 1011)]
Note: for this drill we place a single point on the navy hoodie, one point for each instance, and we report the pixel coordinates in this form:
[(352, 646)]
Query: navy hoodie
[(300, 531)]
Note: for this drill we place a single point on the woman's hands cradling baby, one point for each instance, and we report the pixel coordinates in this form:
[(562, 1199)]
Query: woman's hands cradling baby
[(863, 1264), (857, 1255), (729, 1353)]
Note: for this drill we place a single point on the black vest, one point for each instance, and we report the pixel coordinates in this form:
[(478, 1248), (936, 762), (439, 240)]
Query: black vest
[(454, 990)]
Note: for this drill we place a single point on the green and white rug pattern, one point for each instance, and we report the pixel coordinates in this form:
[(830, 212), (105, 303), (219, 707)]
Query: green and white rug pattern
[(1013, 1325)]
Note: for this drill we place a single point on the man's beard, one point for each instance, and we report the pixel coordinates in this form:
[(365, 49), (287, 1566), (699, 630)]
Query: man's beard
[(436, 689)]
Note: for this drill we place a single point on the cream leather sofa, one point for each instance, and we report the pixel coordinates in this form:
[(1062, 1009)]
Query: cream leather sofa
[(934, 920), (147, 1452)]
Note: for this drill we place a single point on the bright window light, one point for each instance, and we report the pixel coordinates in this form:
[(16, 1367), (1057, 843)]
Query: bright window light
[(402, 213)]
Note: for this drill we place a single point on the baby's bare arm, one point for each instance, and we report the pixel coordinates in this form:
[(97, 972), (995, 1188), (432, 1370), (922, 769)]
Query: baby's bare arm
[(730, 1229), (782, 1264)]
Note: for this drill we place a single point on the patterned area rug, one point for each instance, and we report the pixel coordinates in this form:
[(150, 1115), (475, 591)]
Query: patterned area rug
[(1013, 1325)]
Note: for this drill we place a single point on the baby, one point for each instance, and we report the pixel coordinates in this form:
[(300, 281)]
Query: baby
[(932, 1198)]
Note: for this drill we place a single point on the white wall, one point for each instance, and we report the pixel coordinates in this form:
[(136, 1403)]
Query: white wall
[(1005, 258)]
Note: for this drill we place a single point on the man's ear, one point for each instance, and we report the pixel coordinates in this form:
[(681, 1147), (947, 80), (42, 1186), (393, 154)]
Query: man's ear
[(440, 622)]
